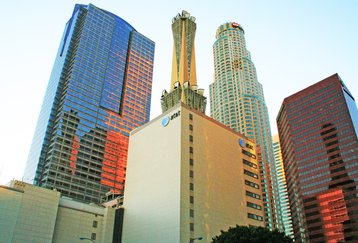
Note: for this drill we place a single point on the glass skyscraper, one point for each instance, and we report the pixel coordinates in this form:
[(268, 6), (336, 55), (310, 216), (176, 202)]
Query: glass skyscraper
[(99, 90), (237, 100), (318, 135)]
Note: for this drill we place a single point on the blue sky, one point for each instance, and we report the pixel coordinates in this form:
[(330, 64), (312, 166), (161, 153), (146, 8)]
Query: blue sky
[(293, 44)]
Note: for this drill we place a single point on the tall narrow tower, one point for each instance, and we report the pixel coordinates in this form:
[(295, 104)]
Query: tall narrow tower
[(237, 100), (183, 83), (99, 90), (282, 188)]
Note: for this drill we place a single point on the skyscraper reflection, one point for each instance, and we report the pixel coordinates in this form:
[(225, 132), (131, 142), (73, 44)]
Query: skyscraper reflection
[(99, 90)]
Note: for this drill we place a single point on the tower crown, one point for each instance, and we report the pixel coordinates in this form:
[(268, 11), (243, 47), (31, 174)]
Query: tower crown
[(228, 26), (183, 85), (184, 15)]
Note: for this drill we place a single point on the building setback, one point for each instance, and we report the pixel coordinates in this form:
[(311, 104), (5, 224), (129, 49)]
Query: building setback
[(237, 101), (318, 133), (99, 90)]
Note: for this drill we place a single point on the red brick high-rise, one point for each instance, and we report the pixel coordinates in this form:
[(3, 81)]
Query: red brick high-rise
[(318, 129)]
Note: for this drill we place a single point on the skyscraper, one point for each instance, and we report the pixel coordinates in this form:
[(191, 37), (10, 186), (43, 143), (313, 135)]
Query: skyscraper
[(237, 100), (99, 90), (318, 133), (284, 204), (189, 176)]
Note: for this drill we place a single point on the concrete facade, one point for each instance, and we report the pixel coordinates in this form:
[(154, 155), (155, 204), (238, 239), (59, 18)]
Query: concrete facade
[(186, 178), (34, 214)]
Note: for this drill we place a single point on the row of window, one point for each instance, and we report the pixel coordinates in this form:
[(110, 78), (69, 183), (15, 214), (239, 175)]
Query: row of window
[(253, 195), (249, 154), (249, 173), (253, 205), (254, 216), (191, 175), (252, 184), (246, 162)]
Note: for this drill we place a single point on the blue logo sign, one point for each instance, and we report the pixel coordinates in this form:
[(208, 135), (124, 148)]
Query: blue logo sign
[(242, 143), (165, 121)]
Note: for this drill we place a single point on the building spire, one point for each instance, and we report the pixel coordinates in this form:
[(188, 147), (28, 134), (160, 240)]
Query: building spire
[(183, 86)]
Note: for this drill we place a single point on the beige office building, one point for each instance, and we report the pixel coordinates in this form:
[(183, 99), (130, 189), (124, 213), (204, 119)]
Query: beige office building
[(33, 214), (189, 176)]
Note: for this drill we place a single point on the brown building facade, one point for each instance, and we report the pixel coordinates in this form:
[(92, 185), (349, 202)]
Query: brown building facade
[(318, 133)]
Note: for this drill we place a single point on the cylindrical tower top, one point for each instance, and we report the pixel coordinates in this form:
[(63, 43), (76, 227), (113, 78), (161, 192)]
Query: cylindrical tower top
[(183, 67), (183, 87), (228, 26)]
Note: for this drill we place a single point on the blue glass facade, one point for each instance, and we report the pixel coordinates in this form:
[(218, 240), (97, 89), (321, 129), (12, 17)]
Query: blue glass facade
[(352, 107), (99, 90)]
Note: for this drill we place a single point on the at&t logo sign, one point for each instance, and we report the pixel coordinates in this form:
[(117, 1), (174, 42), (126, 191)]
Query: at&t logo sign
[(165, 121), (168, 118)]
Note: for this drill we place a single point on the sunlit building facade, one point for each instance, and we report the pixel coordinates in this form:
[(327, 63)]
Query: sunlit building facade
[(99, 90), (188, 176), (34, 214), (318, 134), (282, 188), (205, 175), (237, 100)]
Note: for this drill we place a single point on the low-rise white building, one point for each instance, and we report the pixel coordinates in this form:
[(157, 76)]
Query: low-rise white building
[(33, 214)]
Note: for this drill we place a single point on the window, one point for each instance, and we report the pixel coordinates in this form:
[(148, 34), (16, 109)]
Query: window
[(191, 127), (191, 162), (191, 150), (191, 139), (249, 173), (190, 116), (93, 236), (192, 213), (191, 227), (254, 216), (94, 224), (191, 199), (252, 184), (191, 173), (253, 205), (191, 187), (253, 195), (246, 162), (249, 154)]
